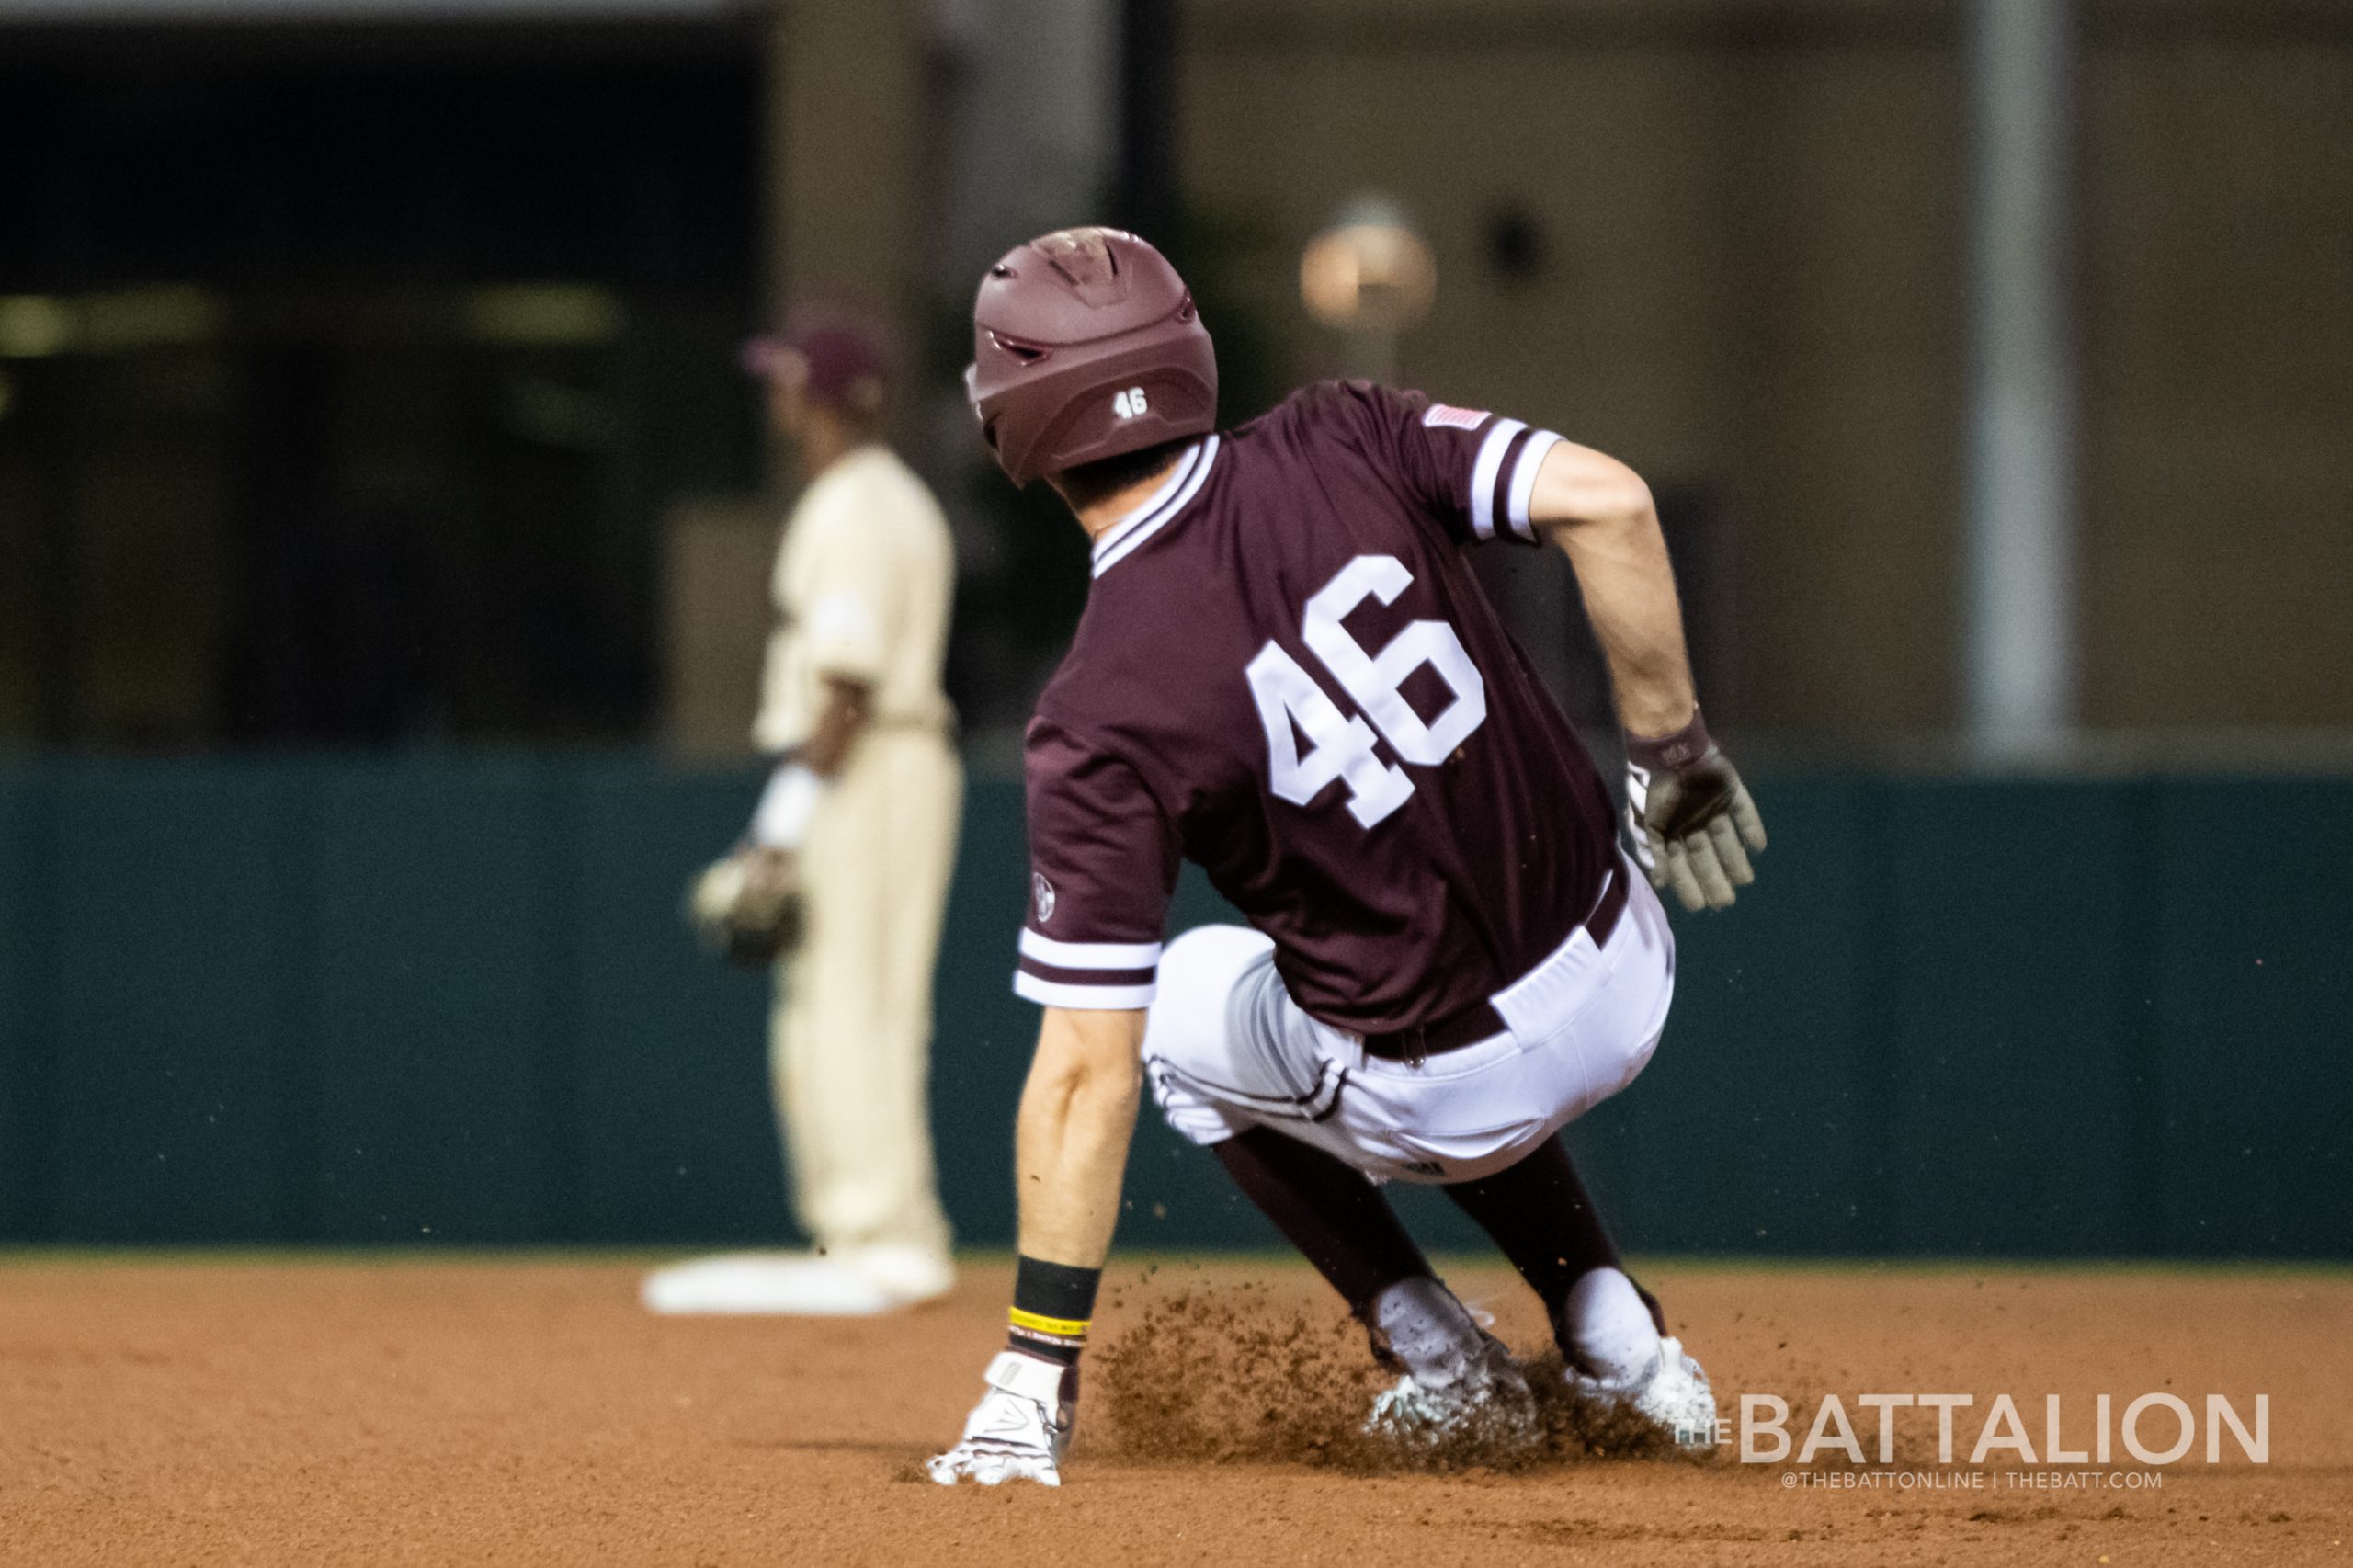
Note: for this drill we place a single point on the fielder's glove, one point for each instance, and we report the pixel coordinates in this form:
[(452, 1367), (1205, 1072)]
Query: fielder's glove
[(747, 908), (1694, 825), (1018, 1430)]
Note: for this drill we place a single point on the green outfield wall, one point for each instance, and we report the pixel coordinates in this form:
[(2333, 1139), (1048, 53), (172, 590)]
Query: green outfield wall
[(450, 1001)]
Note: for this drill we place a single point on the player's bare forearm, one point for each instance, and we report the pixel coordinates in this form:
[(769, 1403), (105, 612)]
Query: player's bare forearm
[(1079, 1111), (849, 708), (1600, 513)]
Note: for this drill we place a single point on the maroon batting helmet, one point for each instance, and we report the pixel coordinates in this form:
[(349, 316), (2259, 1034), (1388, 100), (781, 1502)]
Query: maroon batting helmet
[(1085, 345)]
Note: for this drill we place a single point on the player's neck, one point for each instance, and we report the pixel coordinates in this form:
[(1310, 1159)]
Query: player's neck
[(825, 442), (1113, 507)]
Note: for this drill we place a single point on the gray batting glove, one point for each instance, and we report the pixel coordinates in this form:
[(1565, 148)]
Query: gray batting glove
[(1694, 825)]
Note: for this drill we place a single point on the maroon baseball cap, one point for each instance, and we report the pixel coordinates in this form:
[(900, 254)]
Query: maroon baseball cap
[(828, 355)]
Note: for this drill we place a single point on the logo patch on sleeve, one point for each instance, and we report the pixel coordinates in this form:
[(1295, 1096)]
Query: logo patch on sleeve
[(1041, 892), (1446, 417)]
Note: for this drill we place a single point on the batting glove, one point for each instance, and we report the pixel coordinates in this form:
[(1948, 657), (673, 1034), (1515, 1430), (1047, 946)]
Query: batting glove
[(1018, 1430), (1694, 825)]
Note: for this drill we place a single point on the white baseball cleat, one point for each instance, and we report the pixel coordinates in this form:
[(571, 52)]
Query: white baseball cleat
[(1488, 1402), (1018, 1430), (849, 1282), (1672, 1394)]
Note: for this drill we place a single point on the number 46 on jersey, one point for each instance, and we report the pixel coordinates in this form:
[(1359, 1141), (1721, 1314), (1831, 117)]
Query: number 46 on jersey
[(1340, 747)]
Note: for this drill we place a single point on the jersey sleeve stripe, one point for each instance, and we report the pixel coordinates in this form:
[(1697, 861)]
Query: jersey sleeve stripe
[(1523, 481), (1089, 955), (1499, 503), (1140, 976), (1081, 998), (1490, 460)]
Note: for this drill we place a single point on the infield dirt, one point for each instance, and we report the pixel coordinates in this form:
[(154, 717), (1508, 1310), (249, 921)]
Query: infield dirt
[(501, 1411)]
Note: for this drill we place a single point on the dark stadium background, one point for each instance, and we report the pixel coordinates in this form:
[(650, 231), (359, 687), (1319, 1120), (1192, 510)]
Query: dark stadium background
[(381, 516)]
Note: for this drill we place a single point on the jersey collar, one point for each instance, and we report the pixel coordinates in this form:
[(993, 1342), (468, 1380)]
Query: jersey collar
[(1114, 543)]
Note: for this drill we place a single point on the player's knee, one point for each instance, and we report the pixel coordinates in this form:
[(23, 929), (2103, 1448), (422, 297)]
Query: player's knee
[(1188, 1115), (1206, 953), (1197, 973), (1207, 962)]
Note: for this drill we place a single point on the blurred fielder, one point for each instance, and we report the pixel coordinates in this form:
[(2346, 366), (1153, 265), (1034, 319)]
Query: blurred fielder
[(843, 876), (1287, 673)]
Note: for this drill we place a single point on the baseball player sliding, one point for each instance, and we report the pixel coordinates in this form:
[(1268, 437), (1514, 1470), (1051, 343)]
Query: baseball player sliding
[(845, 873), (1287, 673)]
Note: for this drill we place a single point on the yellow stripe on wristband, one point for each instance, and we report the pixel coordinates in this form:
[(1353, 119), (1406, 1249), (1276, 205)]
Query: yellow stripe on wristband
[(1038, 1322)]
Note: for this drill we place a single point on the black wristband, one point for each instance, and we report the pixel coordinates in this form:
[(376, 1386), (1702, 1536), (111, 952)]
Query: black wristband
[(1055, 1290), (1681, 749), (1053, 1305)]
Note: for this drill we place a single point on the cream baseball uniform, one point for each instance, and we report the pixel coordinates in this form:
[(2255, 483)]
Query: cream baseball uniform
[(862, 588)]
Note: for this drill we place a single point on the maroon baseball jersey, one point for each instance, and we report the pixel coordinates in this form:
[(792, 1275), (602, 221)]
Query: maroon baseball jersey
[(1287, 673)]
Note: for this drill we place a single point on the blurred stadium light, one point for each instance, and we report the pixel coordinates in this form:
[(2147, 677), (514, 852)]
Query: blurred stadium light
[(1372, 276), (37, 326), (551, 313)]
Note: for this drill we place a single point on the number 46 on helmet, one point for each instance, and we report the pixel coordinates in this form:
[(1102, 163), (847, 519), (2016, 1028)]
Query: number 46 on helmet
[(1085, 345)]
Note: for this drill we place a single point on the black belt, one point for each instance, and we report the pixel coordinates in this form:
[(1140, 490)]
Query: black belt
[(1480, 1020)]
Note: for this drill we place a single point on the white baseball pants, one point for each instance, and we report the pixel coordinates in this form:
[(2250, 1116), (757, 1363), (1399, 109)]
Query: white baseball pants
[(1225, 1048), (851, 1033)]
